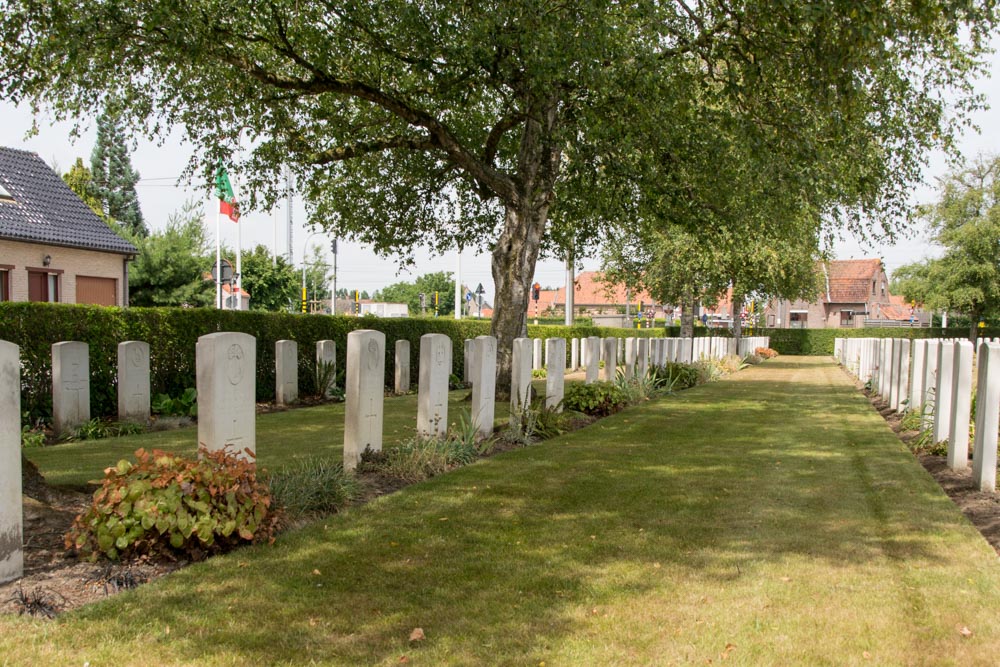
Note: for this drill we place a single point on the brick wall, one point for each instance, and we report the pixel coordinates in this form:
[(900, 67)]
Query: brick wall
[(71, 261)]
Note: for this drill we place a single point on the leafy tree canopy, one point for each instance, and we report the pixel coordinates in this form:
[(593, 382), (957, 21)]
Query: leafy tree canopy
[(81, 181), (448, 124), (429, 283), (168, 271), (965, 221), (273, 284)]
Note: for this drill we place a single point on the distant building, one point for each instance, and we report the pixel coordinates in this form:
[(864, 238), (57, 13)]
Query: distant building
[(855, 294), (593, 296), (53, 247), (383, 309)]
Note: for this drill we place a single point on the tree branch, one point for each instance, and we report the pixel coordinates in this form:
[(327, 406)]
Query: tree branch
[(368, 147)]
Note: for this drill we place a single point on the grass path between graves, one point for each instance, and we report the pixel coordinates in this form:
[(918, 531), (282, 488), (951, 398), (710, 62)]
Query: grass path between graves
[(771, 518)]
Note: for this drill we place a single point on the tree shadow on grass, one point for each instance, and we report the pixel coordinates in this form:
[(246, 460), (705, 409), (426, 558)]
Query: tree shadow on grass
[(502, 556)]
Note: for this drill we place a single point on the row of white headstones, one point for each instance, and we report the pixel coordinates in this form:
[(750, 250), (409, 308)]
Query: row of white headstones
[(934, 377), (226, 382)]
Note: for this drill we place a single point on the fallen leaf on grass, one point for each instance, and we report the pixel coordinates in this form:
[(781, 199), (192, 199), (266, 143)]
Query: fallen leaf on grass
[(726, 651), (316, 572), (403, 659), (656, 565), (786, 578), (965, 632), (417, 635), (866, 655)]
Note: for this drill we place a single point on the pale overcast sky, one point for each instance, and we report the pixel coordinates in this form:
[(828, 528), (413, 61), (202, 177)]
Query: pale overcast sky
[(358, 266)]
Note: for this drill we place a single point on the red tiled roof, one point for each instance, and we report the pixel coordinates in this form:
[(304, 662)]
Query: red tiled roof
[(850, 279), (589, 291)]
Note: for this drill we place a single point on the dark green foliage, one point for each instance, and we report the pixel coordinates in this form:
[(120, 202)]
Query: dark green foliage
[(185, 405), (441, 282), (168, 504), (420, 458), (272, 284), (312, 487), (598, 399), (81, 182), (114, 178)]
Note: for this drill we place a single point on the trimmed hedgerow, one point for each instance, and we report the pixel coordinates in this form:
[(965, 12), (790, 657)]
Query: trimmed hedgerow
[(173, 332), (169, 504)]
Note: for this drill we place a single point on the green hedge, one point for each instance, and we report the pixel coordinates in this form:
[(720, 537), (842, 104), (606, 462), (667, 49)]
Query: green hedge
[(173, 332), (816, 342)]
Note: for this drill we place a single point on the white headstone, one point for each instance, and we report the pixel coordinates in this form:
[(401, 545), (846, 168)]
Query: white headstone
[(467, 347), (574, 361), (133, 381), (364, 394), (227, 392), (893, 388), (286, 372), (326, 356), (70, 386), (402, 366), (536, 355), (520, 374), (687, 351), (555, 372), (903, 379), (984, 458), (11, 533), (432, 389), (610, 359), (593, 346), (643, 367), (961, 406), (943, 389), (930, 381), (917, 364), (484, 382), (631, 356)]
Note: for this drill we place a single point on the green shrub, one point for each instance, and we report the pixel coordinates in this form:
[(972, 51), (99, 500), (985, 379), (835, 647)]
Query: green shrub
[(597, 399), (539, 373), (419, 458), (185, 405), (31, 437), (312, 487), (95, 429), (675, 377), (168, 504)]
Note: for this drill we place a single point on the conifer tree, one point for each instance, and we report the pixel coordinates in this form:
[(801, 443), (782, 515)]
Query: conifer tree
[(114, 178)]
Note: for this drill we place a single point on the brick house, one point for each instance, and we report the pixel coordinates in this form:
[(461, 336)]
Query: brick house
[(52, 246), (592, 296), (852, 291)]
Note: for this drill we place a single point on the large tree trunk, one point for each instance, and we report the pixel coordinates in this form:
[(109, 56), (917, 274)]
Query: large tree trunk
[(737, 324), (687, 315), (525, 217), (514, 259)]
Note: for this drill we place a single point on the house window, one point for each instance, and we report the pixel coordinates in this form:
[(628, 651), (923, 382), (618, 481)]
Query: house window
[(5, 282), (43, 285), (883, 288), (798, 319), (845, 317), (873, 288)]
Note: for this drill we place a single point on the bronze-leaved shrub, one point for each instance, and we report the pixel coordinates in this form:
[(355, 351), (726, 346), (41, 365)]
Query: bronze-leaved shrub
[(165, 503)]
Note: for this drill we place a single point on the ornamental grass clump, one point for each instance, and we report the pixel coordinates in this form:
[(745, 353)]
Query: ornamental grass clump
[(169, 505), (312, 487)]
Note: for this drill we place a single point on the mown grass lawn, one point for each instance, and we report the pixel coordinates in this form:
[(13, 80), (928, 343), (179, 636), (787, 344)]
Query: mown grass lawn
[(771, 518), (282, 438)]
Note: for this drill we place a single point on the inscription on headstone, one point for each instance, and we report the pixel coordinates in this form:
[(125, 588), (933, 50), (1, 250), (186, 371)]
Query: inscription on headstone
[(432, 389), (11, 532), (484, 381), (70, 386), (227, 391), (286, 372), (133, 381), (363, 394)]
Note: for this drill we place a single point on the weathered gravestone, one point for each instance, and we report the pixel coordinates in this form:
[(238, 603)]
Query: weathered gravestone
[(574, 356), (286, 372), (593, 359), (520, 375), (402, 366), (610, 359), (930, 382), (364, 394), (555, 375), (225, 368), (961, 406), (432, 385), (484, 382), (536, 354), (892, 392), (984, 458), (11, 544), (903, 379), (133, 381), (70, 386), (919, 359), (326, 365)]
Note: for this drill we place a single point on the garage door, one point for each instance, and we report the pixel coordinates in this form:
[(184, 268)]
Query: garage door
[(98, 291)]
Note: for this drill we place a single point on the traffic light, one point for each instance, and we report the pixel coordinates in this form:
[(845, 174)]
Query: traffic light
[(357, 302), (304, 300), (536, 291)]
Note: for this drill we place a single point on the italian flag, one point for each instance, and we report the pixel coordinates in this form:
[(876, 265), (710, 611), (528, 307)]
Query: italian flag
[(224, 191)]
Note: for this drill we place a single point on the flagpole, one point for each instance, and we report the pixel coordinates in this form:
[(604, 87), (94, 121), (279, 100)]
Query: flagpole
[(218, 261), (239, 265)]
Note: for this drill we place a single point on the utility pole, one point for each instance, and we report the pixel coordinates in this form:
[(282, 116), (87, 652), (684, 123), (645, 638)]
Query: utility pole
[(333, 296), (288, 206)]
